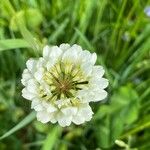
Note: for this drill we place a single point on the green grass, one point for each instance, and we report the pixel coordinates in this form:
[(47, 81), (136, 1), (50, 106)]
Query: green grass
[(118, 31)]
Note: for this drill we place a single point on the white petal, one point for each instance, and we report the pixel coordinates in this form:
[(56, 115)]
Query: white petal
[(77, 48), (31, 65), (53, 52), (53, 117), (84, 114), (43, 116), (39, 74), (98, 95), (64, 47), (72, 55), (98, 71), (35, 102), (86, 56), (53, 120), (46, 51), (62, 102), (102, 94), (69, 56), (64, 120), (98, 83), (87, 69), (36, 105), (45, 87), (93, 58), (25, 77), (78, 119), (50, 64), (32, 86), (92, 95), (27, 95), (49, 107), (69, 110), (51, 55)]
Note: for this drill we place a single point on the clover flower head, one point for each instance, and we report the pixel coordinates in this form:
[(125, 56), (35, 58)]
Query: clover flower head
[(62, 83), (147, 11)]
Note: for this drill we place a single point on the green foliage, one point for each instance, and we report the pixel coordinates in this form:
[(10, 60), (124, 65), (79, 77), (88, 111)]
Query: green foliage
[(122, 110), (118, 31), (51, 138), (31, 17), (12, 44), (20, 125)]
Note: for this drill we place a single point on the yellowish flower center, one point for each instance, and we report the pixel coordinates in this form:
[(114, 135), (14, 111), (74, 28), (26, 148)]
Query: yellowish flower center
[(64, 80)]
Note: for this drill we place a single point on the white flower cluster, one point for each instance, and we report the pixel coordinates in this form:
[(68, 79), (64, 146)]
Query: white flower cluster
[(62, 82)]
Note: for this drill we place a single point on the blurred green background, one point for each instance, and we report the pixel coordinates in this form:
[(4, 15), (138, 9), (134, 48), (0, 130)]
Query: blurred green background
[(118, 31)]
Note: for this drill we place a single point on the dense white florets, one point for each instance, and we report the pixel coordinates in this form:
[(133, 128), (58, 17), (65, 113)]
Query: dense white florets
[(62, 83)]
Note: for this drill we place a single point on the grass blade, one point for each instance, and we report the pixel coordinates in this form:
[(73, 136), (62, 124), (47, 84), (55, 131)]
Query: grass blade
[(51, 138), (84, 39), (13, 44), (20, 125)]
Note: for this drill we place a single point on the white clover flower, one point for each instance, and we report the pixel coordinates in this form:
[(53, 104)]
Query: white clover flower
[(61, 84), (147, 11), (126, 36)]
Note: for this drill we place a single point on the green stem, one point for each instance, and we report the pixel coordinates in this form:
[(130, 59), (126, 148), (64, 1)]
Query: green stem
[(137, 129)]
